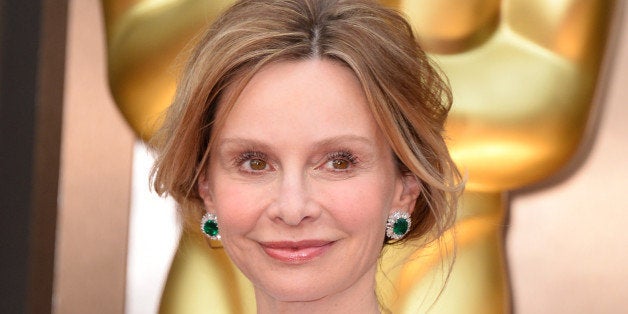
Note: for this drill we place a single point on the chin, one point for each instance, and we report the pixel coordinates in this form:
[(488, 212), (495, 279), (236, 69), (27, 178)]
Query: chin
[(292, 292)]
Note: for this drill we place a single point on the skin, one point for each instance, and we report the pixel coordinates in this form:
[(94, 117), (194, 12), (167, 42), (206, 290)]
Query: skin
[(300, 158)]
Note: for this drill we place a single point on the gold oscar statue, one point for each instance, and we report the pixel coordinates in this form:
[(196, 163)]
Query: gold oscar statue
[(523, 74)]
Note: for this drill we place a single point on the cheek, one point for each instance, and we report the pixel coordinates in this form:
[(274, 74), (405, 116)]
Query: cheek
[(359, 204), (238, 207)]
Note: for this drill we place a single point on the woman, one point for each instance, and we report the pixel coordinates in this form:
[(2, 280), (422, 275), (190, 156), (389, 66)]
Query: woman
[(305, 135)]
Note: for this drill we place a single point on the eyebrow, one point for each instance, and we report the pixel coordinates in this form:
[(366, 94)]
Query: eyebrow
[(242, 142), (335, 140)]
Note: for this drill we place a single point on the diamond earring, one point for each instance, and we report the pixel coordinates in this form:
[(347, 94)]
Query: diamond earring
[(209, 226), (398, 225)]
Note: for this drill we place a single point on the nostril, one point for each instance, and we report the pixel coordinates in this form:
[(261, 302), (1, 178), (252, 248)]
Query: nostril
[(295, 211)]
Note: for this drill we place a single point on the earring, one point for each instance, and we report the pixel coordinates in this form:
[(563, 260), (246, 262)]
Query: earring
[(209, 226), (398, 225)]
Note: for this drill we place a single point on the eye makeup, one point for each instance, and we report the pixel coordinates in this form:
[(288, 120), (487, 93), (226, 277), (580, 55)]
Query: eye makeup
[(343, 160), (251, 162)]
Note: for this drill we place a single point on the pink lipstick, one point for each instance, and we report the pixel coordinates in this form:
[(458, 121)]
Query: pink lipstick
[(296, 252)]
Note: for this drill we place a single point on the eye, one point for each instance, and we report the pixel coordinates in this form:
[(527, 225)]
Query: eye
[(341, 161), (257, 164), (340, 164), (252, 162)]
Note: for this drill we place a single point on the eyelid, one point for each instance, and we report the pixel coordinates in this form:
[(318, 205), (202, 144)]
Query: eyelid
[(344, 155), (241, 159), (248, 155)]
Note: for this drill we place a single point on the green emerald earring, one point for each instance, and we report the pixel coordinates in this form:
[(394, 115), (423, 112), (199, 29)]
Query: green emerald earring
[(209, 226), (398, 225)]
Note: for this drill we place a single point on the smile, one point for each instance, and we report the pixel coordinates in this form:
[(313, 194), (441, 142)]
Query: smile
[(298, 252)]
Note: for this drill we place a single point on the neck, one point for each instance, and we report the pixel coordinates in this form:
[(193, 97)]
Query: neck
[(358, 298)]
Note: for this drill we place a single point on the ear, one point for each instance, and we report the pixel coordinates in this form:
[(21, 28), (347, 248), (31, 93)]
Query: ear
[(408, 190), (204, 190)]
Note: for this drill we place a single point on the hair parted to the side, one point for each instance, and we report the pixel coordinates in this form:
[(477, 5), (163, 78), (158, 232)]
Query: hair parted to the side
[(407, 96)]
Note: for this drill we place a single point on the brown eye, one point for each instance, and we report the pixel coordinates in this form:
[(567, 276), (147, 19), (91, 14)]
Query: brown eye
[(340, 164), (257, 164)]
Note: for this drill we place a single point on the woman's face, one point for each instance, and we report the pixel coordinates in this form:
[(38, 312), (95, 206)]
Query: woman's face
[(302, 181)]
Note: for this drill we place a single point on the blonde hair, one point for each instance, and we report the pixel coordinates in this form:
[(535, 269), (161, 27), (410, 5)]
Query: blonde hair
[(405, 92)]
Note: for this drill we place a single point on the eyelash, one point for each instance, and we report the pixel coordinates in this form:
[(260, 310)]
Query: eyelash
[(344, 155), (244, 157)]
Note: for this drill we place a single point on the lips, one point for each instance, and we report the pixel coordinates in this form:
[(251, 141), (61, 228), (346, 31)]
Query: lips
[(296, 252)]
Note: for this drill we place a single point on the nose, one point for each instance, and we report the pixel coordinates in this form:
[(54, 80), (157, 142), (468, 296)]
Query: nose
[(293, 203)]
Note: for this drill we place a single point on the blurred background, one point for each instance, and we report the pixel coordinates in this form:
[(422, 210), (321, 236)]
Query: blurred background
[(82, 234)]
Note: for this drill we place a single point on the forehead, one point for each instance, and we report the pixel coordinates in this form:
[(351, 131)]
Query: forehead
[(318, 96)]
